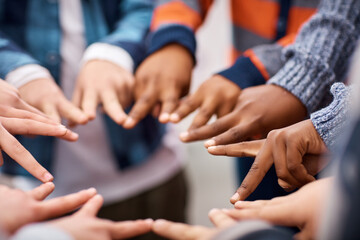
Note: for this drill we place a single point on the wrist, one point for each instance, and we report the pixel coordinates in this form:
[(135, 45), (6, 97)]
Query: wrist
[(109, 53)]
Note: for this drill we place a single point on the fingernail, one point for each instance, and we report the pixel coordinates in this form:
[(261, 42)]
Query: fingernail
[(209, 143), (238, 204), (74, 135), (164, 117), (214, 210), (129, 122), (91, 190), (184, 136), (225, 210), (235, 198), (174, 117), (48, 177), (212, 148), (50, 184), (149, 221), (160, 222)]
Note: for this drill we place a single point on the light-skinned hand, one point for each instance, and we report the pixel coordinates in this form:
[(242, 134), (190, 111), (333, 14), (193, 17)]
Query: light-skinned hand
[(19, 208), (302, 209), (102, 82), (295, 151), (160, 81), (18, 117), (259, 110), (181, 231), (217, 95), (83, 225), (46, 96)]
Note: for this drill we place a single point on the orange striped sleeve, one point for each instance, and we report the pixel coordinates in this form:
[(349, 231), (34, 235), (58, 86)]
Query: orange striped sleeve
[(176, 12)]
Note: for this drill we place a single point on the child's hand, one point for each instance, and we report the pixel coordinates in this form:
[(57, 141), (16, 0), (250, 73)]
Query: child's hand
[(46, 96), (84, 225), (160, 81), (216, 95), (102, 82), (258, 110), (19, 208)]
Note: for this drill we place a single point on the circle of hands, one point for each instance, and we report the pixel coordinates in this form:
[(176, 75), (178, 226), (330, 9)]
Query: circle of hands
[(243, 118)]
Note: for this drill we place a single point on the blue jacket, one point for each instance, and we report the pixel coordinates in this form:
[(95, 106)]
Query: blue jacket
[(30, 34)]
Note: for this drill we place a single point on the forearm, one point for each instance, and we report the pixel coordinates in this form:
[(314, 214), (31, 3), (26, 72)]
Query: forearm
[(321, 52)]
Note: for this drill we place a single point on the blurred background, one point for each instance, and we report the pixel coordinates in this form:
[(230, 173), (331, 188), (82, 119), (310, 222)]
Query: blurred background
[(212, 178)]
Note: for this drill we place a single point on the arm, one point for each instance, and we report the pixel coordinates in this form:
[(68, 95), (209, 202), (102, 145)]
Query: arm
[(321, 52)]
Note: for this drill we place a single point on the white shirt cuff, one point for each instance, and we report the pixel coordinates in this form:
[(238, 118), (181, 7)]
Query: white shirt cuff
[(111, 53), (24, 74)]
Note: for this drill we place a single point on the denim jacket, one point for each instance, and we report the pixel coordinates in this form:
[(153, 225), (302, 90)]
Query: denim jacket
[(30, 33)]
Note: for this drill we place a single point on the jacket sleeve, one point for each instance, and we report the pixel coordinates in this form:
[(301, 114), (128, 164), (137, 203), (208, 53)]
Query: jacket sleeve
[(321, 52), (331, 120), (12, 56), (132, 28), (176, 21), (257, 65)]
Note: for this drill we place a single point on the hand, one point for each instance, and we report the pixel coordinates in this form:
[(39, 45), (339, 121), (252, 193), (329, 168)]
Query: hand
[(18, 117), (296, 153), (160, 81), (84, 224), (46, 96), (217, 95), (259, 110), (19, 208), (300, 209), (180, 231), (106, 83)]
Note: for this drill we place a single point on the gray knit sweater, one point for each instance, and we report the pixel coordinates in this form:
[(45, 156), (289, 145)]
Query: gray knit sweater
[(329, 121), (321, 52)]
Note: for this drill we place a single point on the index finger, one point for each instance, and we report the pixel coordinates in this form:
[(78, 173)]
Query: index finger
[(128, 229), (257, 172), (62, 205), (112, 106), (210, 130), (178, 231), (41, 192), (17, 152), (70, 112), (141, 108), (220, 219), (243, 149), (92, 207)]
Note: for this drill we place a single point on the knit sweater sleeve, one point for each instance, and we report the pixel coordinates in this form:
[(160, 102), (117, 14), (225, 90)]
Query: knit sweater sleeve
[(321, 52), (330, 120)]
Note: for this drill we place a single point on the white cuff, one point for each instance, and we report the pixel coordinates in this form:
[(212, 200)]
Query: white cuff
[(25, 74), (111, 53)]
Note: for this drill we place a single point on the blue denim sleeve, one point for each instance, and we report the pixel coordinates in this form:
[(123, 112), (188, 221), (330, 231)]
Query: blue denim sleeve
[(12, 56), (132, 28)]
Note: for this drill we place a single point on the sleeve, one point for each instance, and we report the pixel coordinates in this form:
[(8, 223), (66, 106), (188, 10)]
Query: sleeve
[(40, 231), (12, 56), (331, 120), (257, 65), (321, 52), (132, 28), (176, 21)]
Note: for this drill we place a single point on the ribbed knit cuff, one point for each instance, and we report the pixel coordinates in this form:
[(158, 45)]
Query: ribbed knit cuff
[(173, 34), (305, 78), (329, 121), (244, 73)]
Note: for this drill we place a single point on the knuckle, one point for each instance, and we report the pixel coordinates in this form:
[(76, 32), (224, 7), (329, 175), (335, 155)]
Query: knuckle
[(235, 134), (205, 112)]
